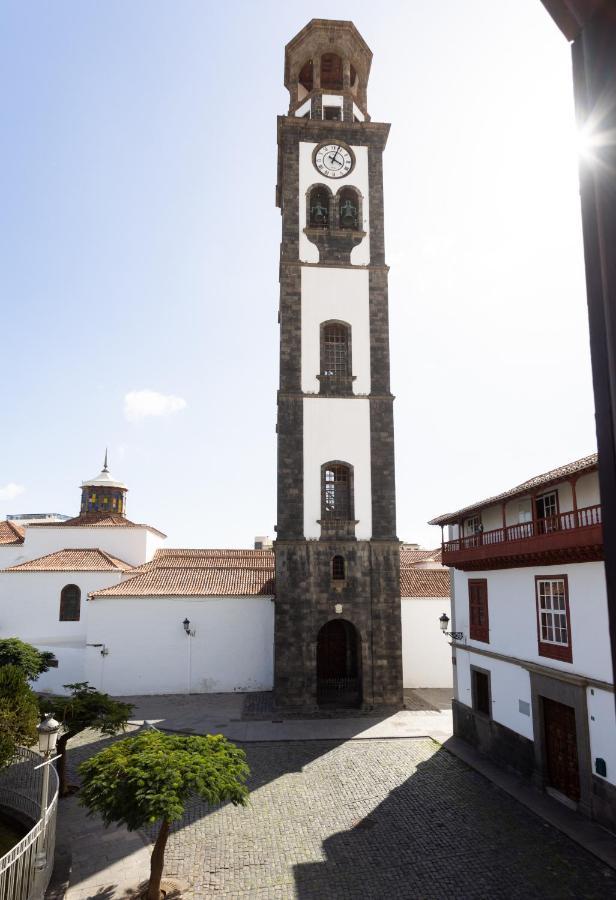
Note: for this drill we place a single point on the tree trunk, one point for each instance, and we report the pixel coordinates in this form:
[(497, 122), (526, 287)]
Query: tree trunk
[(61, 763), (157, 861)]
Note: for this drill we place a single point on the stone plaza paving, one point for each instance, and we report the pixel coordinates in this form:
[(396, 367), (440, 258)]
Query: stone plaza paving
[(397, 818)]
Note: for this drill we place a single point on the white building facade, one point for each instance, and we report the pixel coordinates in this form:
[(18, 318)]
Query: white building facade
[(533, 680), (131, 617)]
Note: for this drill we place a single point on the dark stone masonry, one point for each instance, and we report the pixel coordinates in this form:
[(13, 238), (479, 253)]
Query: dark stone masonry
[(366, 605)]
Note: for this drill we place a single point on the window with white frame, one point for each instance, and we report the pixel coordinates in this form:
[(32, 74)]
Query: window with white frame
[(553, 620)]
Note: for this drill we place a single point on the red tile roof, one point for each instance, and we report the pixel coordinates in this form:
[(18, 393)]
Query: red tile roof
[(11, 533), (195, 582), (96, 520), (88, 560), (424, 582), (579, 467), (409, 557)]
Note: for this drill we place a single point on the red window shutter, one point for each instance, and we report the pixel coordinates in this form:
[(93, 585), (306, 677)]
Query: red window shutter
[(478, 610)]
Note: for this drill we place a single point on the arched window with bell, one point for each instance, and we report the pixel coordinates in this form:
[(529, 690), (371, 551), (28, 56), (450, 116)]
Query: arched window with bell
[(349, 209), (319, 203)]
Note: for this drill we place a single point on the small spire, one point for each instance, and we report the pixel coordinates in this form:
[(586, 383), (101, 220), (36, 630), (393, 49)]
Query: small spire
[(105, 469)]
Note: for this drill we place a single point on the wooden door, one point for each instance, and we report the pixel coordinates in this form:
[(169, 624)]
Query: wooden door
[(332, 650), (561, 748)]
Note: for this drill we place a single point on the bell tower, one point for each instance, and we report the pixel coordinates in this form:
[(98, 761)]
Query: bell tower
[(337, 619)]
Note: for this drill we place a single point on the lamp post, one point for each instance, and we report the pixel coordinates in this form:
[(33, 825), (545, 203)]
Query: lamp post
[(47, 740), (444, 622)]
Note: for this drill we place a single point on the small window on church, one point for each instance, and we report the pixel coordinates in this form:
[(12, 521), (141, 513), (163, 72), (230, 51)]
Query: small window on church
[(338, 568), (335, 350), (70, 603), (348, 209), (319, 207), (336, 492)]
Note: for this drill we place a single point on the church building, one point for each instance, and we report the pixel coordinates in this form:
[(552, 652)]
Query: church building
[(318, 619), (338, 633)]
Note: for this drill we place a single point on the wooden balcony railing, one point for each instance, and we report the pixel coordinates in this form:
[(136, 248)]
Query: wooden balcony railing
[(564, 531)]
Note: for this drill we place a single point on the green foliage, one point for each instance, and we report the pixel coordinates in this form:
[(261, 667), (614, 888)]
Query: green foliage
[(142, 779), (18, 712), (86, 707), (31, 661)]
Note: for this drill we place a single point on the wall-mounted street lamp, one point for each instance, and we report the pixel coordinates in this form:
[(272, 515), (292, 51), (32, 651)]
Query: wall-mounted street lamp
[(186, 624), (444, 622)]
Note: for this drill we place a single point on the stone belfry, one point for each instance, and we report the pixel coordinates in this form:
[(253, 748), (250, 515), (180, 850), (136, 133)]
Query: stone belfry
[(337, 619)]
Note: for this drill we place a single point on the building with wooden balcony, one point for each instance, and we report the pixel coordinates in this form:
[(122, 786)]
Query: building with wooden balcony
[(533, 678)]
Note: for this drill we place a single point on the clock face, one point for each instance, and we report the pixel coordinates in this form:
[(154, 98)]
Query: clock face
[(333, 160)]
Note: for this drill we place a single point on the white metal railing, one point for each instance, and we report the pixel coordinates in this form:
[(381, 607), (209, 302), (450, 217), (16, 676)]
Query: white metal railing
[(26, 869)]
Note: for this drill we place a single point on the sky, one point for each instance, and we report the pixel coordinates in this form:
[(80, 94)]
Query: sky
[(139, 244)]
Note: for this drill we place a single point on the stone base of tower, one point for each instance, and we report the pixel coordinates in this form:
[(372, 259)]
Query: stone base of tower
[(337, 642)]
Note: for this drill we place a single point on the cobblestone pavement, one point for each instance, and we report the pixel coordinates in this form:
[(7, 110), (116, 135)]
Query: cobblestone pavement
[(374, 819)]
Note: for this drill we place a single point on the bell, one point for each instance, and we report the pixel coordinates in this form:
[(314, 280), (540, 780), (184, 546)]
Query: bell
[(348, 215), (318, 214)]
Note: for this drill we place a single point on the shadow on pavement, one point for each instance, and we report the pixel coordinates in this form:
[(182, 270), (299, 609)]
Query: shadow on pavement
[(447, 832)]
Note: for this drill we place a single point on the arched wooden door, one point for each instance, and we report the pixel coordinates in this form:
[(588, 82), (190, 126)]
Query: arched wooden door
[(338, 665)]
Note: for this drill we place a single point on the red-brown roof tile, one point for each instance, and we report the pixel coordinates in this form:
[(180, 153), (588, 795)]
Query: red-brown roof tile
[(80, 560), (194, 582), (11, 533), (586, 464), (424, 582), (409, 557), (96, 520)]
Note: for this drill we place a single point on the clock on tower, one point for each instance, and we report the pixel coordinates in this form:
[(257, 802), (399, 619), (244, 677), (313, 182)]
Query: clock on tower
[(337, 617)]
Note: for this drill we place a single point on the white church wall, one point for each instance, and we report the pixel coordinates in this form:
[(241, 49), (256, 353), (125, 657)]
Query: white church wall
[(358, 178), (11, 554), (335, 294), (133, 545), (30, 610), (149, 652), (337, 429), (426, 654)]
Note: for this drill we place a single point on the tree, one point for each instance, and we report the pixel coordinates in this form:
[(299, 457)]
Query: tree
[(85, 707), (18, 712), (33, 662), (148, 778)]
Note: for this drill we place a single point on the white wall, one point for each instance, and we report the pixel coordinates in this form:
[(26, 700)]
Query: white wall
[(602, 727), (513, 618), (134, 544), (509, 684), (587, 490), (30, 610), (335, 294), (358, 178), (149, 652), (337, 429), (426, 654), (11, 554)]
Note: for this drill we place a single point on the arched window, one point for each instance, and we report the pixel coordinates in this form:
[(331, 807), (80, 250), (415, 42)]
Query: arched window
[(348, 208), (318, 207), (335, 350), (338, 568), (336, 492), (70, 603), (331, 72)]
